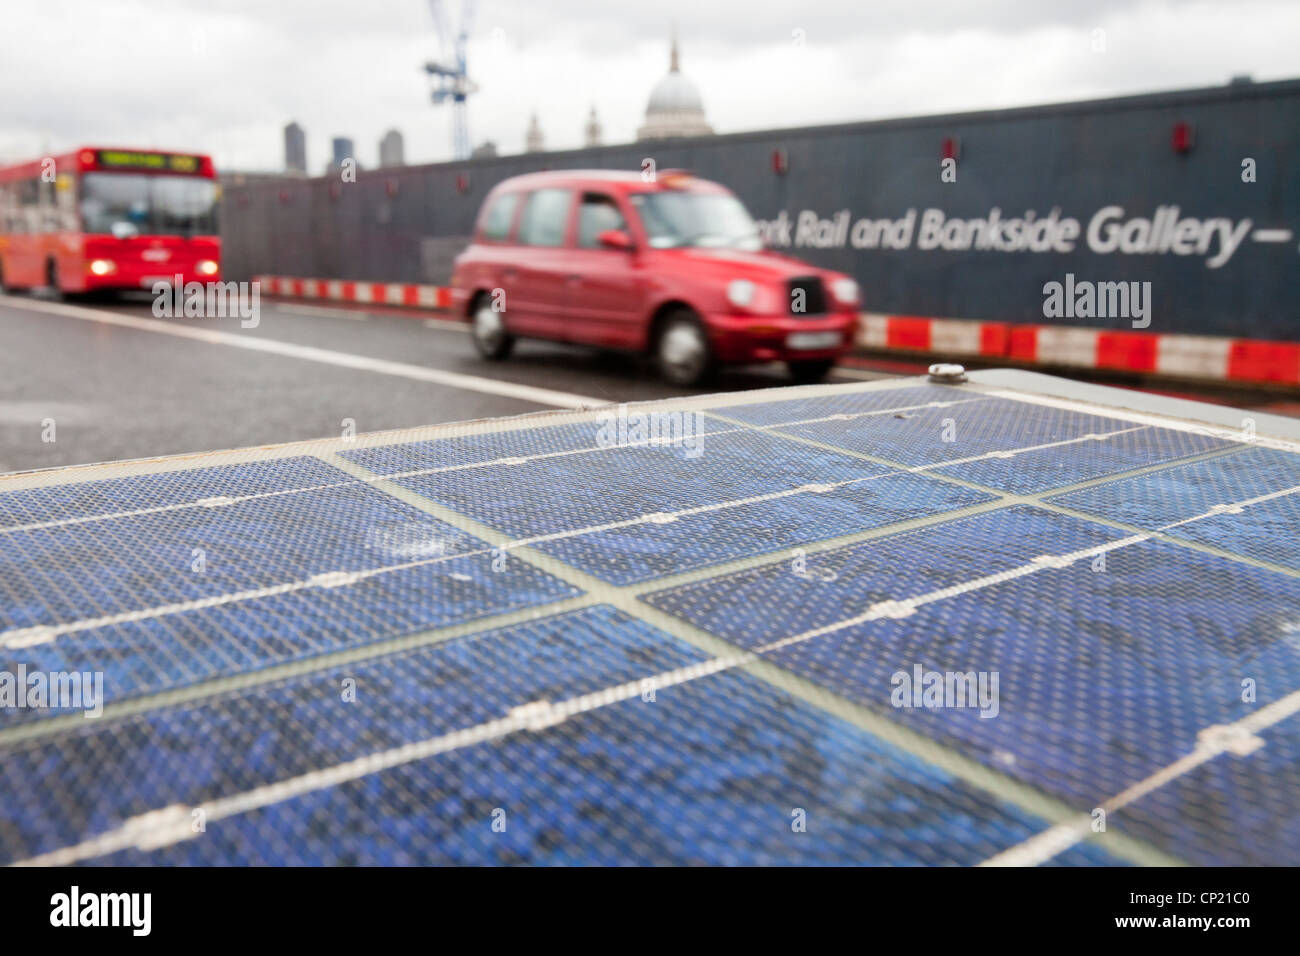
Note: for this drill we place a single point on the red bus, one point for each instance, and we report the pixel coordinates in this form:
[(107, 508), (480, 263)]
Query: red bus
[(108, 219)]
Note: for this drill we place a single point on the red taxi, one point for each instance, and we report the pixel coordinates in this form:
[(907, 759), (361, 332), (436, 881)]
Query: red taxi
[(673, 267)]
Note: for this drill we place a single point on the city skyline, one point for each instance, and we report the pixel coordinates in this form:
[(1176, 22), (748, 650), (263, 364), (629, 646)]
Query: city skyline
[(359, 73)]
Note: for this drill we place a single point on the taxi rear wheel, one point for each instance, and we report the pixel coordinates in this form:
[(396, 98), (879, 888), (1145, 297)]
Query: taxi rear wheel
[(809, 372), (488, 330), (683, 351)]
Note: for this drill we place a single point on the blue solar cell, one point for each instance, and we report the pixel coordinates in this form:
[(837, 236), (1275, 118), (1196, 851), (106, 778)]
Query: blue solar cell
[(617, 484), (929, 436), (875, 401), (161, 653), (1232, 811), (473, 449), (758, 605), (1105, 676), (1035, 471), (111, 770), (712, 772), (1086, 854), (1108, 670), (644, 551), (112, 495), (109, 566), (1263, 530)]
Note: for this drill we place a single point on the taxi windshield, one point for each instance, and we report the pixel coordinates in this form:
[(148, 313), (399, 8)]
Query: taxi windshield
[(676, 219)]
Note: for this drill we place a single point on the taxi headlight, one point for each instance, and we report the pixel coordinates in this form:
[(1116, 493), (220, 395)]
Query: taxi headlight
[(207, 267), (845, 290), (102, 267), (741, 292)]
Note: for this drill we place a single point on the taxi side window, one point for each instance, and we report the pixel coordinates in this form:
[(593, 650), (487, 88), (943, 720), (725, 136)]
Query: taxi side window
[(597, 213), (546, 213), (496, 225)]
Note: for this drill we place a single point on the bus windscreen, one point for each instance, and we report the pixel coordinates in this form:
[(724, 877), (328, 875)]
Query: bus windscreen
[(117, 203)]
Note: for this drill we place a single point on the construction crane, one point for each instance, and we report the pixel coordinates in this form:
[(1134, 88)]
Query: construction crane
[(450, 80)]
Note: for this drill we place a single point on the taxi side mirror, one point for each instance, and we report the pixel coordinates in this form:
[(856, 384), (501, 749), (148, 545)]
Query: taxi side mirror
[(615, 239)]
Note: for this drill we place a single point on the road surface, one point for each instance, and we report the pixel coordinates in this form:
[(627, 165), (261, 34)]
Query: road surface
[(93, 381)]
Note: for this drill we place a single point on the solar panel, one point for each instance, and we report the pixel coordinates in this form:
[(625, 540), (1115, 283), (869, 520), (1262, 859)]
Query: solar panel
[(894, 623)]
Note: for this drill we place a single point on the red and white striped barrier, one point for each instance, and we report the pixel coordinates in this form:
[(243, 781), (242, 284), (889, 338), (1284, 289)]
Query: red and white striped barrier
[(366, 293), (1177, 356)]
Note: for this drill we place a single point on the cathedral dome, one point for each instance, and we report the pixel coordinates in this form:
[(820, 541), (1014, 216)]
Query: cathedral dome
[(675, 92), (675, 107)]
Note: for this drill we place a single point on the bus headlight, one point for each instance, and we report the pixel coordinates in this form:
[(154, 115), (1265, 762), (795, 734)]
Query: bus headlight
[(207, 267), (102, 267)]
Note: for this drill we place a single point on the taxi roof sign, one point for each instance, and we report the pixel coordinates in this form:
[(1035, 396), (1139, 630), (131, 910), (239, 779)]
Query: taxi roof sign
[(676, 178)]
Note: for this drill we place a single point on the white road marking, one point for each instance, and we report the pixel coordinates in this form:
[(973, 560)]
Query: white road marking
[(356, 315), (442, 325), (307, 353)]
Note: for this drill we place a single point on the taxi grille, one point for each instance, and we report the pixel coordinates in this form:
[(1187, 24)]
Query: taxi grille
[(807, 296)]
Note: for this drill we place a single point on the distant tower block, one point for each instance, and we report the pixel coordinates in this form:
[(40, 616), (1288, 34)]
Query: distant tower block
[(342, 149), (592, 133), (534, 142), (675, 107), (392, 151), (295, 149)]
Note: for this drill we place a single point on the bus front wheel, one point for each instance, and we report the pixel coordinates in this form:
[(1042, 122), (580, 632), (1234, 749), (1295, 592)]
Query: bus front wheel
[(52, 279)]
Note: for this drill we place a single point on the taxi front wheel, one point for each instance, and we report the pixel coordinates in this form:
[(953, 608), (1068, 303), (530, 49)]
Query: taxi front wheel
[(488, 330), (683, 351)]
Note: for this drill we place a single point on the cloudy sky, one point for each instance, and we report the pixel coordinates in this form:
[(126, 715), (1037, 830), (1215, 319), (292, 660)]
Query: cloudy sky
[(224, 76)]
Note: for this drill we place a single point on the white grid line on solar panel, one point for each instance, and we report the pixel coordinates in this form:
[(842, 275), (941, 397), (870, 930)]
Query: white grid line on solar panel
[(1037, 497), (225, 500), (41, 634), (385, 645), (1237, 738), (168, 825), (726, 567), (1040, 498), (1198, 428), (44, 633), (722, 567)]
